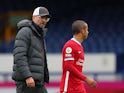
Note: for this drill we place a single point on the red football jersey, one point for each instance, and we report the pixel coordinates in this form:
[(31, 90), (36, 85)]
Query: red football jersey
[(72, 77)]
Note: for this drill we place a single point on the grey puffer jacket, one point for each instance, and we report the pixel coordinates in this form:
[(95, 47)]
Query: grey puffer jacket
[(29, 54)]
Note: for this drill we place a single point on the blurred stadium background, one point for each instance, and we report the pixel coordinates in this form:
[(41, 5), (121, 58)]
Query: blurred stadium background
[(104, 47)]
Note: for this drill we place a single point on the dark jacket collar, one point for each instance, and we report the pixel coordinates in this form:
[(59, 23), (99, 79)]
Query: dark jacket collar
[(39, 30)]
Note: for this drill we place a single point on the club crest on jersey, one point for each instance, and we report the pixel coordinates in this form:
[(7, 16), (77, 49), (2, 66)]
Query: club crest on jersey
[(68, 50)]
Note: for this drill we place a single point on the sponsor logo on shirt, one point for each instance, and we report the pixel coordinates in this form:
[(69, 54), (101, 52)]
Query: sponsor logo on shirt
[(80, 62)]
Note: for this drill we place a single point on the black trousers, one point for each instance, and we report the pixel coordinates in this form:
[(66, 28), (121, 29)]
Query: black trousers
[(22, 88)]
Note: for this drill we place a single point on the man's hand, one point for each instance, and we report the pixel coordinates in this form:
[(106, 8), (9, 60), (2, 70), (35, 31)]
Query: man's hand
[(91, 82), (30, 82)]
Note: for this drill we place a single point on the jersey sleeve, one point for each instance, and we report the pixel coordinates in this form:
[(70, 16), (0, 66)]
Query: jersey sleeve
[(68, 58)]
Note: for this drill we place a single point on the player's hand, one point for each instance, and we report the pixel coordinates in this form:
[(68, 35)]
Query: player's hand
[(91, 82), (30, 82)]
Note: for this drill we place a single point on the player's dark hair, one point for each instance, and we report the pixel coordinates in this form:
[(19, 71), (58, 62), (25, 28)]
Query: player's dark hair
[(77, 26)]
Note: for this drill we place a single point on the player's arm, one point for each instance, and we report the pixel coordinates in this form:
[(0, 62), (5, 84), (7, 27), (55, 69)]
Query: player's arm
[(68, 58), (68, 55), (91, 82), (69, 67)]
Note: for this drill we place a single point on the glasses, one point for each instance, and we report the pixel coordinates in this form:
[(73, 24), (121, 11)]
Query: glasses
[(45, 17)]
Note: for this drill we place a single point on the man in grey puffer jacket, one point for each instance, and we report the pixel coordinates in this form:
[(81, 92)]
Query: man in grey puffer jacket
[(30, 71)]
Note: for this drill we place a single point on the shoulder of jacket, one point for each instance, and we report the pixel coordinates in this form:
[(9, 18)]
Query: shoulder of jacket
[(24, 32)]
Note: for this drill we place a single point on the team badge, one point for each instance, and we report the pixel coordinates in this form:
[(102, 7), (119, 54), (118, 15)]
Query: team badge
[(68, 50)]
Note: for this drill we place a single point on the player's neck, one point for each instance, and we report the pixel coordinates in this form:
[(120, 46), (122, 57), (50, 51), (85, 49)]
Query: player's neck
[(78, 38)]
